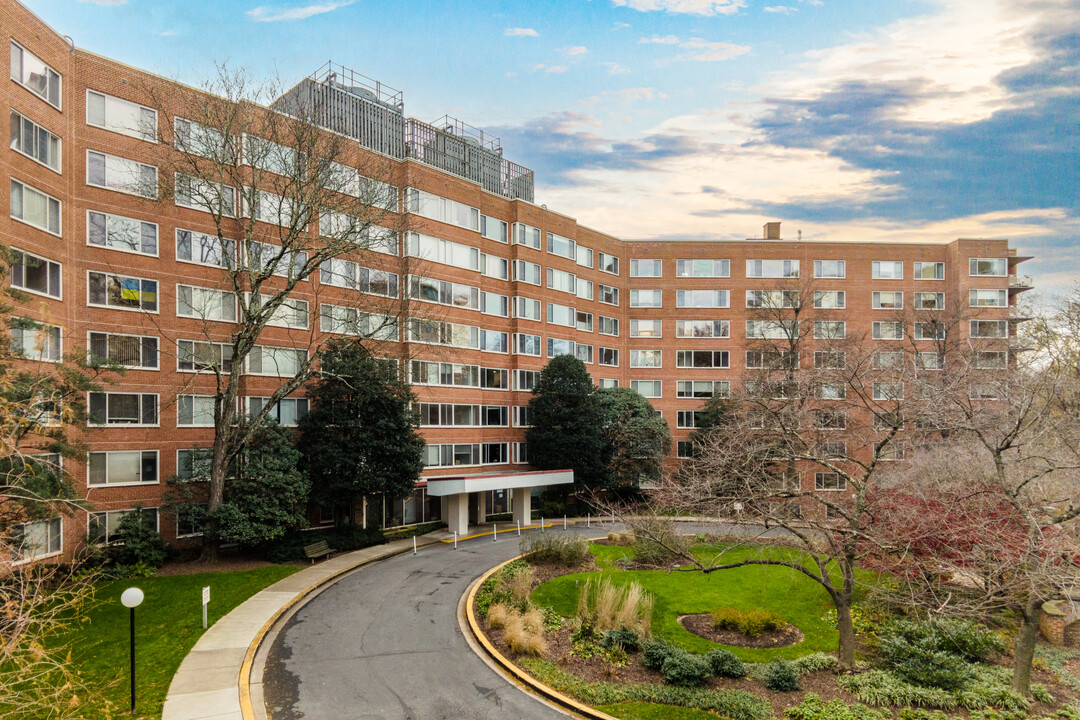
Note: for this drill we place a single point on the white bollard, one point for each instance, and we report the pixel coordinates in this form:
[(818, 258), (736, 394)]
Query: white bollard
[(519, 528), (455, 539), (588, 519), (564, 523), (612, 517), (541, 523), (413, 544), (495, 534)]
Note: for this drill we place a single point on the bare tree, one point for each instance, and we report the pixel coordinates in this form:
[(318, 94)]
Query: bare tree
[(287, 202)]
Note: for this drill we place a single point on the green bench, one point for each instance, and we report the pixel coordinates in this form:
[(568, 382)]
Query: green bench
[(317, 550)]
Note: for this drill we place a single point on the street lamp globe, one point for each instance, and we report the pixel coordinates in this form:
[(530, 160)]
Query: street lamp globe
[(132, 597)]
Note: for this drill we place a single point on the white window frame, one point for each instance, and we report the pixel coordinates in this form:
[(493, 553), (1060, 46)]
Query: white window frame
[(59, 104), (114, 217), (59, 273), (139, 189), (126, 105), (53, 140), (157, 293), (108, 453), (24, 187)]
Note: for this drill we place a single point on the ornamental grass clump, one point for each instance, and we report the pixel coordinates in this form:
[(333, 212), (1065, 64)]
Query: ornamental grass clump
[(498, 614), (523, 636), (521, 583), (613, 607)]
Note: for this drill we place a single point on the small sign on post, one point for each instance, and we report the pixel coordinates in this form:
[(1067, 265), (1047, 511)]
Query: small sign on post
[(205, 602)]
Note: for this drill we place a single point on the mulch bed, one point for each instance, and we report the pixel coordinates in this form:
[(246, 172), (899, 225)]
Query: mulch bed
[(702, 626)]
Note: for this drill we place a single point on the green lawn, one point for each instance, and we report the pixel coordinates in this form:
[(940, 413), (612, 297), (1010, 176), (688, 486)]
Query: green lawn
[(651, 711), (789, 593), (167, 625)]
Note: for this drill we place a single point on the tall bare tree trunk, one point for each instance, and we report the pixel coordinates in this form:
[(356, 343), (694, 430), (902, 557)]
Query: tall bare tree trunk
[(1024, 650), (846, 628)]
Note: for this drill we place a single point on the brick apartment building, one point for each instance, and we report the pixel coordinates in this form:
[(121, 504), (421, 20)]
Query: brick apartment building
[(510, 282)]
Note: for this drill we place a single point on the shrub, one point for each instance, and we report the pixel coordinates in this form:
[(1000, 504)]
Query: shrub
[(655, 652), (498, 614), (624, 638), (815, 661), (814, 708), (552, 547), (748, 622), (781, 676), (522, 639), (685, 669), (882, 688), (143, 544), (656, 541), (918, 654), (612, 607), (725, 664)]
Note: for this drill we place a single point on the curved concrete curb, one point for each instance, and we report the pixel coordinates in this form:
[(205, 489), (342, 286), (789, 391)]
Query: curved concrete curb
[(213, 681), (511, 668)]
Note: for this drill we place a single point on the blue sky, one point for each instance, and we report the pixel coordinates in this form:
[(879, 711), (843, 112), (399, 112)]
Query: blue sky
[(847, 119)]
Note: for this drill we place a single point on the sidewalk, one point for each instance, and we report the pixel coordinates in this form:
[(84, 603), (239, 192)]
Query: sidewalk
[(207, 685)]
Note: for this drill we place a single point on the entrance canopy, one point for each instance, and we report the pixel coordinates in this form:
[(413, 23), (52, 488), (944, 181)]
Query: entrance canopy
[(456, 484)]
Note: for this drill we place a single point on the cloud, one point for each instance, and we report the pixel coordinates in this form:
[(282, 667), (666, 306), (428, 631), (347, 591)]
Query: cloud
[(690, 7), (705, 51), (265, 13), (620, 26), (781, 9), (520, 32), (614, 68), (166, 33), (550, 68), (660, 40), (576, 50)]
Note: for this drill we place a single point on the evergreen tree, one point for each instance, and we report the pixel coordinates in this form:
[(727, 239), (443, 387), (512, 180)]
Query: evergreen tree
[(566, 430), (361, 434), (636, 439), (267, 494), (716, 413)]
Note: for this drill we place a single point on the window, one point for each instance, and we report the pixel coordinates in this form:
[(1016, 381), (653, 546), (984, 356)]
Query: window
[(888, 330), (34, 207), (929, 301), (834, 450), (198, 194), (269, 155), (829, 359), (121, 174), (436, 250), (376, 282), (494, 267), (494, 378), (493, 341), (646, 388), (349, 181), (444, 292), (609, 295), (197, 356), (122, 292), (448, 415), (109, 408), (830, 268), (646, 268), (702, 388), (686, 419), (525, 344), (584, 353), (772, 268), (831, 391), (350, 321), (287, 412), (494, 229), (494, 304), (444, 374), (198, 139), (929, 361), (102, 526), (584, 289), (703, 268), (988, 298), (608, 264), (933, 330), (984, 391), (521, 453), (889, 391), (645, 358), (276, 361), (526, 379), (989, 328), (607, 383), (35, 341), (991, 360), (584, 321), (830, 329), (526, 272), (830, 299), (684, 449), (205, 303), (195, 411), (608, 356), (121, 116), (38, 539), (35, 142), (888, 360), (561, 246), (771, 359), (830, 419), (527, 235), (135, 467), (772, 329), (562, 281), (646, 328), (829, 481), (701, 299), (121, 233), (442, 209), (608, 326), (702, 359), (772, 298), (887, 270), (888, 300), (35, 274), (584, 256), (451, 455), (702, 328), (436, 332), (646, 298), (193, 464), (561, 315), (131, 351), (929, 271), (527, 308), (32, 73), (988, 267), (291, 313), (558, 346), (280, 261)]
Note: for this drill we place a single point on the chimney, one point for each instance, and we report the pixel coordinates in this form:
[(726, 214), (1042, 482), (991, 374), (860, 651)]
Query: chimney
[(772, 231)]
